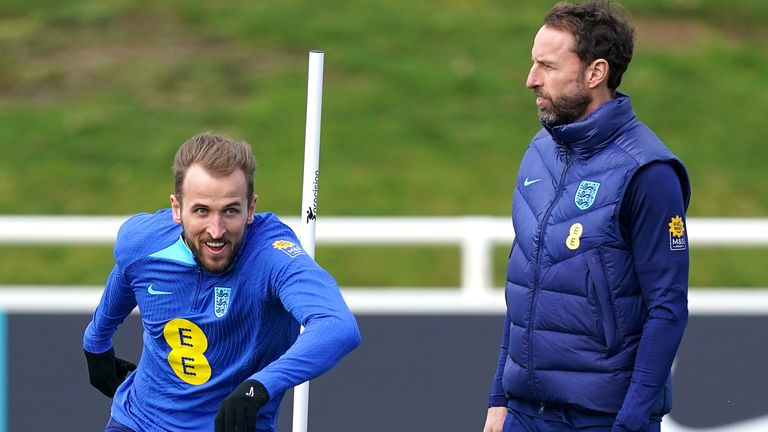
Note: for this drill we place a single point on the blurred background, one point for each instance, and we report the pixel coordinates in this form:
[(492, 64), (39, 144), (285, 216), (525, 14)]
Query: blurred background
[(425, 113)]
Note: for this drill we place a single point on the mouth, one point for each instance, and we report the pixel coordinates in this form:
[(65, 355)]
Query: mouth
[(540, 99), (215, 247)]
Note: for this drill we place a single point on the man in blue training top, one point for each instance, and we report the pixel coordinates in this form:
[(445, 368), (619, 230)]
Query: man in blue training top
[(597, 278), (222, 292)]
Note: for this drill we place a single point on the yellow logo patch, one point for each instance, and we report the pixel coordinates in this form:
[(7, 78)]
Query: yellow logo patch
[(282, 244), (188, 343), (290, 249), (677, 226), (676, 229), (574, 238)]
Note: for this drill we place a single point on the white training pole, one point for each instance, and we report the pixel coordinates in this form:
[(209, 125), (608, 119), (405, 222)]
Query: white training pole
[(309, 202)]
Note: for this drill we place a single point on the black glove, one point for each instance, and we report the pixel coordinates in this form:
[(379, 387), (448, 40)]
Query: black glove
[(238, 411), (107, 372)]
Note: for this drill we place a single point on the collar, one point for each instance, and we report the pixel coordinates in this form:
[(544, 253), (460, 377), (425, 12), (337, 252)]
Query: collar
[(588, 136)]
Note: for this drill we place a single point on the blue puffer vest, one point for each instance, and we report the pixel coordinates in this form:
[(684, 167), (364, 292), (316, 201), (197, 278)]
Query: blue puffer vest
[(573, 300)]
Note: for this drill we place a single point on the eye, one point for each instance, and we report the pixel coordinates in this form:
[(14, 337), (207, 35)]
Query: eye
[(201, 211), (231, 211)]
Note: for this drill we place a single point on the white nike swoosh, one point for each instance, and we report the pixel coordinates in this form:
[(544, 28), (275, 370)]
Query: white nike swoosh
[(527, 182), (156, 292)]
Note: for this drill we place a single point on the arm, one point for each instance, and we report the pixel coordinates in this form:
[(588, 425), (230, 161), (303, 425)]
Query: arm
[(653, 199), (106, 372), (497, 400), (116, 303), (312, 296)]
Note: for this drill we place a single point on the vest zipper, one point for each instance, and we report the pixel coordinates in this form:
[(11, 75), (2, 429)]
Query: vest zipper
[(542, 232)]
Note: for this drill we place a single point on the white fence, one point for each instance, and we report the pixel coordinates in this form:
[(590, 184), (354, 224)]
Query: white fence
[(476, 237)]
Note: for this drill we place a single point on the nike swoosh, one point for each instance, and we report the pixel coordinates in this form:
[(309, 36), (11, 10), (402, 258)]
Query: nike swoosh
[(156, 292), (527, 182)]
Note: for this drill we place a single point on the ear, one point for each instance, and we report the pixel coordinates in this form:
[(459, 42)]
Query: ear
[(252, 208), (176, 208), (597, 73)]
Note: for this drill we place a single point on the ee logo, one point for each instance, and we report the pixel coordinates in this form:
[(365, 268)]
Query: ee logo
[(573, 241), (188, 343)]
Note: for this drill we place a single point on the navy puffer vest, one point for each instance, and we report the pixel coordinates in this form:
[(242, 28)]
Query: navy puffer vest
[(573, 300)]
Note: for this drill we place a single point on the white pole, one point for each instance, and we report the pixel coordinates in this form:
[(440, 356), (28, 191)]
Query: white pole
[(309, 202)]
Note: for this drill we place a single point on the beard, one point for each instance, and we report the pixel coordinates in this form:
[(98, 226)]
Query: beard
[(564, 109), (218, 263)]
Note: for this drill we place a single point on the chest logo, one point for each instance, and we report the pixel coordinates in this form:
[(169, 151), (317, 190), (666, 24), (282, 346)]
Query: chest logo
[(221, 301), (153, 291), (527, 182), (188, 345), (585, 195), (574, 236)]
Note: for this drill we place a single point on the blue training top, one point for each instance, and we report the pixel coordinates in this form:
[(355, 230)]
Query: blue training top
[(206, 333)]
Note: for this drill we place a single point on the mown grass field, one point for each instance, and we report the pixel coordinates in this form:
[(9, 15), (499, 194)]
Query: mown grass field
[(424, 113)]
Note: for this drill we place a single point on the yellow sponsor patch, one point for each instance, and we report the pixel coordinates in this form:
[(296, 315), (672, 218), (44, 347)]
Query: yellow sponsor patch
[(676, 230), (188, 343), (290, 249), (574, 238)]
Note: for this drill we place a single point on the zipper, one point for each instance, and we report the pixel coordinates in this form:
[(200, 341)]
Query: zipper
[(560, 190), (600, 317), (196, 302), (608, 318)]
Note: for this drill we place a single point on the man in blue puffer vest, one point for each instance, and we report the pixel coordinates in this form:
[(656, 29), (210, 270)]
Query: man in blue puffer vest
[(597, 279)]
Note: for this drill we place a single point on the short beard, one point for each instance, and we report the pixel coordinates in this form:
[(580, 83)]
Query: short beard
[(196, 248), (565, 109)]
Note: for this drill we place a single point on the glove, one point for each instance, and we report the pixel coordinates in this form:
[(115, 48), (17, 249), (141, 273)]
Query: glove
[(238, 411), (106, 372)]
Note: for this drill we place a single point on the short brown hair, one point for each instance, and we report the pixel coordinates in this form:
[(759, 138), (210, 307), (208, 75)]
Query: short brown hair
[(217, 154), (601, 29)]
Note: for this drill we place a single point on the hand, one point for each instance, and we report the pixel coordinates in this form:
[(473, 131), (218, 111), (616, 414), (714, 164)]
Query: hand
[(106, 372), (494, 421), (238, 411)]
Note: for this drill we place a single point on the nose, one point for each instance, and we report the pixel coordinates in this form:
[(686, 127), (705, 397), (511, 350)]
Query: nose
[(534, 79), (216, 227)]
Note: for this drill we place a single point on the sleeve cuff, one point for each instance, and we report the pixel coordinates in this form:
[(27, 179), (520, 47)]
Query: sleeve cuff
[(497, 401)]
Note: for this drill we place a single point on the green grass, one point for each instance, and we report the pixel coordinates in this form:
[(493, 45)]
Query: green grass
[(424, 113)]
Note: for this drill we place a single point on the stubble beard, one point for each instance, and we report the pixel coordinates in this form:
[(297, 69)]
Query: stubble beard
[(565, 109)]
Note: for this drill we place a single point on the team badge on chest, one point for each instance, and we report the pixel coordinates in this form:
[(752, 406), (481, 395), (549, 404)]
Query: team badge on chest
[(221, 301), (585, 195)]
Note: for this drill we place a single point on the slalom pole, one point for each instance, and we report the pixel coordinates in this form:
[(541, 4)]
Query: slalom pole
[(308, 214)]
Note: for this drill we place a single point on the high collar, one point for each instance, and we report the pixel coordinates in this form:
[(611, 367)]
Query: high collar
[(588, 136)]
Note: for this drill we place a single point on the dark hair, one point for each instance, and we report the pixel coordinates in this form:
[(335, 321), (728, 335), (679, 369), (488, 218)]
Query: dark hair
[(217, 154), (601, 30)]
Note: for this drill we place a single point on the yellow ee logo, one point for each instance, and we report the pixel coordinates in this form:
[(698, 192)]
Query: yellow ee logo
[(188, 343), (573, 242)]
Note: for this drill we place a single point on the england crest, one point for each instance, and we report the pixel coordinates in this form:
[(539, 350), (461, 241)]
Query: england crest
[(585, 195), (221, 301)]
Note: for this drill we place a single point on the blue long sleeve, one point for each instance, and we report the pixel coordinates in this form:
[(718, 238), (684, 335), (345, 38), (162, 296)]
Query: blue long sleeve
[(497, 396), (653, 200), (312, 297), (117, 302)]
